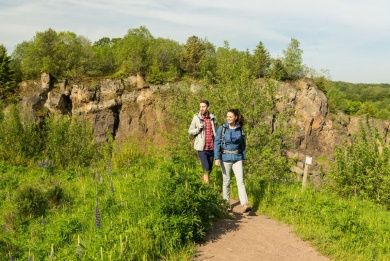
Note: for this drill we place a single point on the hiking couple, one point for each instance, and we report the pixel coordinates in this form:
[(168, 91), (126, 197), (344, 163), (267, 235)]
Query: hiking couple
[(226, 146)]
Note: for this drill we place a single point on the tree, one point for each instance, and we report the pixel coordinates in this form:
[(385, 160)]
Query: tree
[(7, 75), (233, 66), (194, 54), (103, 61), (164, 60), (277, 70), (131, 51), (261, 60), (62, 54), (292, 60)]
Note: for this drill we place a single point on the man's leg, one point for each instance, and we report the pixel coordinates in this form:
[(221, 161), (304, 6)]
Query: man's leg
[(209, 167), (205, 165)]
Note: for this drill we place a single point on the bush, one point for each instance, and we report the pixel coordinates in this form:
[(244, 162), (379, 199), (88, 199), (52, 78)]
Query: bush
[(70, 142), (151, 209), (20, 142), (362, 168), (31, 201)]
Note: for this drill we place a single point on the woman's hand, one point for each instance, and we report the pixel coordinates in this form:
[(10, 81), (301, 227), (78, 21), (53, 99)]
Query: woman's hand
[(217, 162)]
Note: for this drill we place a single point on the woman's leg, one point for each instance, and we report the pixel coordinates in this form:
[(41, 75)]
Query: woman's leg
[(239, 173), (226, 168)]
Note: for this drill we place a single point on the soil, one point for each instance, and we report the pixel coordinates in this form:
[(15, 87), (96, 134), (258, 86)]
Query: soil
[(254, 237)]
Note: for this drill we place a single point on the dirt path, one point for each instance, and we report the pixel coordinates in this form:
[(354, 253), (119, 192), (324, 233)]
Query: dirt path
[(253, 237)]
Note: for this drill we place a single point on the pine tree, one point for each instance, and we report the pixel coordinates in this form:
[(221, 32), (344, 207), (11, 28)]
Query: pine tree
[(262, 60), (277, 70), (195, 53), (7, 75)]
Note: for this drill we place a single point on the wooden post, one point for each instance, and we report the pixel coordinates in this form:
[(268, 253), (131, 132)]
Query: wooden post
[(308, 161)]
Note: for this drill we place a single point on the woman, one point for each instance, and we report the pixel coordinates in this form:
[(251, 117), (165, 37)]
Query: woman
[(229, 153)]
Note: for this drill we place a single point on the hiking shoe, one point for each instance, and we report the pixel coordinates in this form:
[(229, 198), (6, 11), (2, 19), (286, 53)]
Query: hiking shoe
[(246, 208)]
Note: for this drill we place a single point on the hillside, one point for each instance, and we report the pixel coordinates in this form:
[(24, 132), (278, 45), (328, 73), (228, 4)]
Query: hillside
[(131, 107), (96, 161)]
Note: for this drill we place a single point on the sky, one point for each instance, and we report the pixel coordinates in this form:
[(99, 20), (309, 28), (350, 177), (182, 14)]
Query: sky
[(348, 39)]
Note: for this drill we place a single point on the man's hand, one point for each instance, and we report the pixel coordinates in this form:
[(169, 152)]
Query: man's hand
[(217, 162)]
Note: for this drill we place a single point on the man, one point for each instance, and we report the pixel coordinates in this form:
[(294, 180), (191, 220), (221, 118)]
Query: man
[(203, 129)]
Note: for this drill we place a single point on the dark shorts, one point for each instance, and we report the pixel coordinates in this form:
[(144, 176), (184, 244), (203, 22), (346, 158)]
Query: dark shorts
[(206, 158)]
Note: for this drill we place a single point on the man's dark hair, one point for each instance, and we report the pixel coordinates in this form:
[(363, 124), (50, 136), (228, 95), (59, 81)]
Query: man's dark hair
[(205, 102)]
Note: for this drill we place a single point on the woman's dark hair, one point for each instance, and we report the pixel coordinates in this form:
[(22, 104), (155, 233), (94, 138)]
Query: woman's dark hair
[(237, 113)]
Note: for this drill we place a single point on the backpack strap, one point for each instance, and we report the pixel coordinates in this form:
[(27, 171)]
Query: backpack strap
[(223, 137)]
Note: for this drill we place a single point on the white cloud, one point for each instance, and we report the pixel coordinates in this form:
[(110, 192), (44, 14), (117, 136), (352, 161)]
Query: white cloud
[(331, 32)]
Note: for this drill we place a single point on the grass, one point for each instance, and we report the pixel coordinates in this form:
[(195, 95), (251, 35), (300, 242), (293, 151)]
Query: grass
[(155, 209), (343, 229)]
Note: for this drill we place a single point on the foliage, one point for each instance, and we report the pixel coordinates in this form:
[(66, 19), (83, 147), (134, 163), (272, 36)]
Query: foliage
[(343, 229), (160, 60), (277, 70), (31, 201), (131, 51), (357, 99), (261, 60), (292, 60), (233, 67), (164, 58), (19, 142), (7, 75), (195, 55), (362, 168), (70, 142), (61, 141), (151, 210), (103, 60), (62, 54)]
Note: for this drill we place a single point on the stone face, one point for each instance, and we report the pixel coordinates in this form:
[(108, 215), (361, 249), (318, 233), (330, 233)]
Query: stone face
[(45, 81), (121, 108), (58, 103), (128, 107)]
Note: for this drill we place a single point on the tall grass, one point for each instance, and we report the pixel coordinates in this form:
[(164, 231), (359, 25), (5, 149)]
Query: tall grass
[(362, 168), (59, 141), (343, 229), (156, 209)]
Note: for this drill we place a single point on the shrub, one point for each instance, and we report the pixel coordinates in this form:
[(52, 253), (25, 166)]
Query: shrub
[(20, 142), (31, 201), (362, 168), (70, 142)]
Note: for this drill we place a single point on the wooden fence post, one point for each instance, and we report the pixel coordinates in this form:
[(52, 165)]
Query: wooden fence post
[(308, 161)]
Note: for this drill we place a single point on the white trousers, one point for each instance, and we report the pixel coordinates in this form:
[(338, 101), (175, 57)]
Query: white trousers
[(239, 174)]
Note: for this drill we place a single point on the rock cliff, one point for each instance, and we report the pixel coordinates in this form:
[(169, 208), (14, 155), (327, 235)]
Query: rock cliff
[(130, 107)]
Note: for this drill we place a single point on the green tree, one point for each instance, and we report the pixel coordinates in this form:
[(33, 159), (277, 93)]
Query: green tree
[(7, 75), (164, 59), (292, 60), (194, 55), (233, 66), (278, 70), (261, 60), (62, 54), (103, 62), (131, 51)]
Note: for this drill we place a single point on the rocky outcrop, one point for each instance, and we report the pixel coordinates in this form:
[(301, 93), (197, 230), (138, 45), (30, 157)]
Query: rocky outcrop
[(315, 131), (130, 107), (120, 107)]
